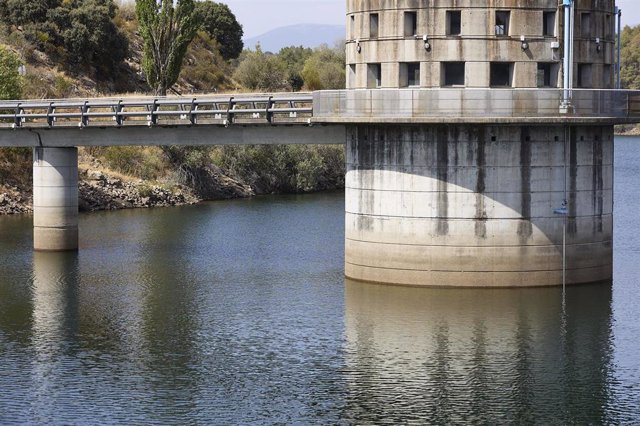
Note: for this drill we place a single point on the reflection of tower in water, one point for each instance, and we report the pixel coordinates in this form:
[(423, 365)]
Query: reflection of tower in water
[(443, 355)]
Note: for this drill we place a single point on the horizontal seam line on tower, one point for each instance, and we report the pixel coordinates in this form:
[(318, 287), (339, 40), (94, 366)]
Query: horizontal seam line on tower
[(476, 272), (481, 247)]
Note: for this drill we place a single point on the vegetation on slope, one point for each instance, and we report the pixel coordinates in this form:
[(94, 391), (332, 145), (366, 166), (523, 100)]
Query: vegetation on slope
[(77, 48)]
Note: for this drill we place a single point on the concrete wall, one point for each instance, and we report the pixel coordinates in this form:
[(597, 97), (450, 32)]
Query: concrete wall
[(477, 44), (473, 205)]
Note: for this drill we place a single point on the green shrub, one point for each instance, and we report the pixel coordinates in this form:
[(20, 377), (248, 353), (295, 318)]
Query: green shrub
[(10, 80)]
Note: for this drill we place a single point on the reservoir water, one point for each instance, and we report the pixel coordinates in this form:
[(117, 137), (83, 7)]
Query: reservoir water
[(237, 312)]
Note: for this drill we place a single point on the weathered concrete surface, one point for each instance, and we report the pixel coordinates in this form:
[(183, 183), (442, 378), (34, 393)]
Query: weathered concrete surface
[(55, 199), (477, 44), (463, 105), (473, 205)]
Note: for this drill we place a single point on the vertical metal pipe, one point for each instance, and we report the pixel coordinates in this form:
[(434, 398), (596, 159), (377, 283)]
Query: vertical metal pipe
[(618, 61), (572, 40), (568, 69)]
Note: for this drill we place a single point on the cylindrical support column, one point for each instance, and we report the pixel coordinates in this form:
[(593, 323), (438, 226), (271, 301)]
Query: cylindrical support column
[(55, 199), (474, 205)]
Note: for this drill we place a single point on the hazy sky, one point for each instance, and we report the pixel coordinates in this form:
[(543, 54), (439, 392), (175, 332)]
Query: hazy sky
[(260, 16), (630, 11)]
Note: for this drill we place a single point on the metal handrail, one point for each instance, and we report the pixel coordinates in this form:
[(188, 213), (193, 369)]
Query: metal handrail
[(224, 110)]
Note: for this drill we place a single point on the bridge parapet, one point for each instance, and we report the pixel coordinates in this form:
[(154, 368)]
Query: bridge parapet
[(464, 105), (220, 110)]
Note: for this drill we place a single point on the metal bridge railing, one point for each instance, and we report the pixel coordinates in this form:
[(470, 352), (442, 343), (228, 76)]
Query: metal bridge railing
[(251, 109)]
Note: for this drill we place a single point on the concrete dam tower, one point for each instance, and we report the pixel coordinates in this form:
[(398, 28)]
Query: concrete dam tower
[(493, 177)]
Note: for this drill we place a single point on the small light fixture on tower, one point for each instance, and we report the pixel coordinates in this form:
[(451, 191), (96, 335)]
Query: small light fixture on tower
[(524, 45), (358, 47), (598, 45), (427, 45)]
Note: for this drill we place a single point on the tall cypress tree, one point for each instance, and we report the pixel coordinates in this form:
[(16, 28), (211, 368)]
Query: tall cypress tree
[(167, 30)]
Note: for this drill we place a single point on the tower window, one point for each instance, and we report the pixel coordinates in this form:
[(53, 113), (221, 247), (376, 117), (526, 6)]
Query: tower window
[(352, 26), (607, 77), (410, 74), (608, 30), (374, 24), (453, 73), (585, 25), (549, 24), (454, 22), (352, 76), (584, 76), (374, 76), (501, 74), (547, 74), (502, 22), (410, 23)]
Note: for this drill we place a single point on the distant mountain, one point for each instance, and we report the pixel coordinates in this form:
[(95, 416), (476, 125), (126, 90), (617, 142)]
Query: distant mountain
[(307, 35)]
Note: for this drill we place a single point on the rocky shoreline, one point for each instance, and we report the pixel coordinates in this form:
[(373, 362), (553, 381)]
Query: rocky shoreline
[(101, 191)]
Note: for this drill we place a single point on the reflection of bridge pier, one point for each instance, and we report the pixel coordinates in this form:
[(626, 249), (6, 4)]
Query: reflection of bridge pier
[(459, 356), (55, 317)]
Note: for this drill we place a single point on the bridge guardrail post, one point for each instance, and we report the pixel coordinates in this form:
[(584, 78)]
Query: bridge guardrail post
[(193, 117), (84, 118), (50, 111), (17, 122), (153, 117), (230, 113), (270, 105), (119, 119)]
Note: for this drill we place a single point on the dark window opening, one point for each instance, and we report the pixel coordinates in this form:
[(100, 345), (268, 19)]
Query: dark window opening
[(454, 22), (607, 77), (584, 76), (374, 76), (410, 23), (501, 74), (548, 74), (410, 74), (352, 76), (453, 73), (352, 26), (502, 22), (374, 24), (549, 24), (585, 25)]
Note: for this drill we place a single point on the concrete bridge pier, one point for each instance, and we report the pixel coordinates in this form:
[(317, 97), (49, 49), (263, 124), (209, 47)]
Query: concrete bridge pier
[(55, 199)]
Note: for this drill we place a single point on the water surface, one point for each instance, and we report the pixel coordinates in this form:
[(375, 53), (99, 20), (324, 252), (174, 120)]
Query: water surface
[(237, 312)]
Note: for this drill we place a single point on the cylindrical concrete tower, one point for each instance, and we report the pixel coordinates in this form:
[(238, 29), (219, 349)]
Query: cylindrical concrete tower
[(472, 202)]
